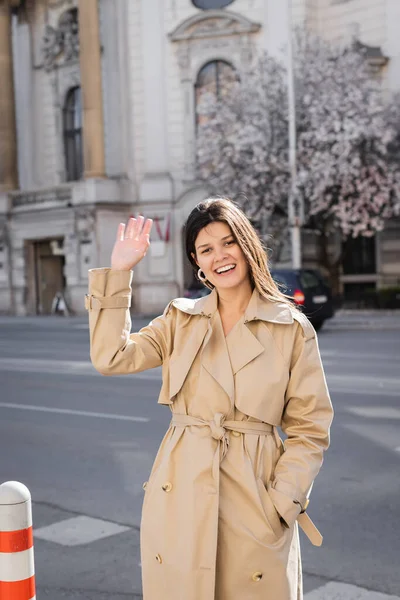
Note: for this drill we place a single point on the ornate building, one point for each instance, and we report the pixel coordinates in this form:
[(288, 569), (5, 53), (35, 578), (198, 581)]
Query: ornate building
[(97, 121)]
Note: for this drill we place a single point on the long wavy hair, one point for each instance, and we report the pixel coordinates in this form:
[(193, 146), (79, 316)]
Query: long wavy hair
[(226, 211)]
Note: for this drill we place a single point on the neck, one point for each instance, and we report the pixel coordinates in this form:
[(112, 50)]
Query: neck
[(235, 300)]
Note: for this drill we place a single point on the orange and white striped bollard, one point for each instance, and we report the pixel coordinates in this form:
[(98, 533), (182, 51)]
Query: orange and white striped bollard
[(17, 571)]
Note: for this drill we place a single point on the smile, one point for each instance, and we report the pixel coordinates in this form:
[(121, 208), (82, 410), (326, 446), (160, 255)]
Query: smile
[(225, 269)]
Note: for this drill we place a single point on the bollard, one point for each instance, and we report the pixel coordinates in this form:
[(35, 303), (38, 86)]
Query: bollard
[(17, 571)]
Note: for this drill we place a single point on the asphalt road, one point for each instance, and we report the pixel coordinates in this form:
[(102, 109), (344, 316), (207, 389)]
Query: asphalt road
[(84, 444)]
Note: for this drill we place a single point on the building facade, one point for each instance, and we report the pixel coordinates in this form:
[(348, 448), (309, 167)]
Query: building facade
[(98, 122)]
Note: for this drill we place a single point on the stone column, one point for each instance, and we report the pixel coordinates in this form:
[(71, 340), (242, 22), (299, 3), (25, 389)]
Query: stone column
[(8, 139), (92, 97), (157, 183)]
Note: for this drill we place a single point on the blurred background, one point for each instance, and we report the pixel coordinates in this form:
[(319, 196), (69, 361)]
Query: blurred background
[(111, 108)]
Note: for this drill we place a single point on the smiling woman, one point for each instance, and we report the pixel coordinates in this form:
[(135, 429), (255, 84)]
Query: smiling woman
[(224, 498)]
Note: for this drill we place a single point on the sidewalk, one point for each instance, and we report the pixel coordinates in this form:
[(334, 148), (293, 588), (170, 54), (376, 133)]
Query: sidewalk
[(355, 319)]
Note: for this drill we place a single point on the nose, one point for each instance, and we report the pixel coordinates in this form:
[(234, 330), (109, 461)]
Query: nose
[(220, 254)]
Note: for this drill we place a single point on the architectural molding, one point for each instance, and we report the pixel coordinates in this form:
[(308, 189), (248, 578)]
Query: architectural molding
[(213, 23), (85, 222), (60, 196), (61, 43), (64, 80)]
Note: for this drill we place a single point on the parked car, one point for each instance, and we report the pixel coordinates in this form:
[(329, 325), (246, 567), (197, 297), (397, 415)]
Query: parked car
[(309, 290)]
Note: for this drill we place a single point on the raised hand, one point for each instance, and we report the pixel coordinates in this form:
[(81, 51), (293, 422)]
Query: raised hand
[(131, 244)]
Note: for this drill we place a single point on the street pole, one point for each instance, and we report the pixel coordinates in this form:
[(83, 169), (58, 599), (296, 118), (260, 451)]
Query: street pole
[(294, 204)]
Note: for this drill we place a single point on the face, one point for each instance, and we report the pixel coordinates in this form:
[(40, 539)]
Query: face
[(216, 250)]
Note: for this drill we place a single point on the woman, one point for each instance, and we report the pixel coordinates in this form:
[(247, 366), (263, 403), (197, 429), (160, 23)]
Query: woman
[(225, 496)]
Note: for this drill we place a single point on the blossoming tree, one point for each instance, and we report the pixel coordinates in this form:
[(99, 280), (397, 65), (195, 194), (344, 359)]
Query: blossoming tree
[(347, 145)]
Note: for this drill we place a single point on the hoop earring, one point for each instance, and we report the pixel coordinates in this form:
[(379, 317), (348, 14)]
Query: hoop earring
[(201, 276)]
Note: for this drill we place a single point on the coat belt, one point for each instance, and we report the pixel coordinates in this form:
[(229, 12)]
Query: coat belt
[(219, 428)]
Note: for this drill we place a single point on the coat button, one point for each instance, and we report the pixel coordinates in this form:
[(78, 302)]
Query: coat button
[(236, 433), (257, 576), (167, 486), (159, 559), (144, 486)]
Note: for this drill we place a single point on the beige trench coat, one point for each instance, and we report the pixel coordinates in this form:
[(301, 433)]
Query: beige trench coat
[(211, 526)]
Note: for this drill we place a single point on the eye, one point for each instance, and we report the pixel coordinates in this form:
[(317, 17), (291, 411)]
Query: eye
[(206, 250), (231, 242)]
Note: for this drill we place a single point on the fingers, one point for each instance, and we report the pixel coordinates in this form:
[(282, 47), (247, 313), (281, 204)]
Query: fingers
[(147, 228), (131, 228), (120, 232), (138, 227)]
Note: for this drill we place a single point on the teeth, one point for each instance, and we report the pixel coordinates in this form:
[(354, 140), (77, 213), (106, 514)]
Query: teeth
[(227, 268)]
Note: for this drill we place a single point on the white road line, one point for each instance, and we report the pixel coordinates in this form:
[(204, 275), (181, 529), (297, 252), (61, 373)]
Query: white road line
[(344, 591), (375, 412), (79, 530), (342, 356), (358, 391), (62, 367), (380, 381), (78, 413)]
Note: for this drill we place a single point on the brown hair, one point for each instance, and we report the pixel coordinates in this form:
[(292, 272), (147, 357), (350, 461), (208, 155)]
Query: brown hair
[(226, 211)]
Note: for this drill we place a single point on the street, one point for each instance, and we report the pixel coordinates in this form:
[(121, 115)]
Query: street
[(84, 444)]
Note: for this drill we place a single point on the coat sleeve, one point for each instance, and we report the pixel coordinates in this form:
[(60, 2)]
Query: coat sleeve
[(113, 349), (306, 422)]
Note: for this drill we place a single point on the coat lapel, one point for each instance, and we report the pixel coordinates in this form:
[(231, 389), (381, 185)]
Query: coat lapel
[(179, 367), (199, 335), (215, 357), (243, 347)]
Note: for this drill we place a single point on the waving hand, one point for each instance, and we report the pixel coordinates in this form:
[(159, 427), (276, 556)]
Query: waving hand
[(132, 243)]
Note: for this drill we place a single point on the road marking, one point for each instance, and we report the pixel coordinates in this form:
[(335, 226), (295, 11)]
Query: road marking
[(375, 412), (344, 591), (63, 367), (377, 380), (78, 531), (379, 433), (78, 413)]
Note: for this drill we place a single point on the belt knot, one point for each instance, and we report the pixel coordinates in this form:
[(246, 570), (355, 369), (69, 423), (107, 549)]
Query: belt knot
[(217, 430)]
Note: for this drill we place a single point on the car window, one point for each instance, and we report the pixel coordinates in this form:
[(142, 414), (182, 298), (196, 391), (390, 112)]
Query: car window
[(284, 280), (309, 280)]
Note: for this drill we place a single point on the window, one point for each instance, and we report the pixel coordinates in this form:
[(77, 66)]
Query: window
[(72, 126), (210, 4), (359, 256), (216, 78)]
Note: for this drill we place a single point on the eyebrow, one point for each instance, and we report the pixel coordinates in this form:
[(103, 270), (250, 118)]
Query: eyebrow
[(222, 239)]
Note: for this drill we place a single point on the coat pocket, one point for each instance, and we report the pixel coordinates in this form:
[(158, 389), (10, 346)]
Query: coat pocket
[(271, 514)]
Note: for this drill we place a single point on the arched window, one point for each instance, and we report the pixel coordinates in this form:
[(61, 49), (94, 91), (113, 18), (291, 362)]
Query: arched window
[(217, 78), (211, 4), (72, 126)]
